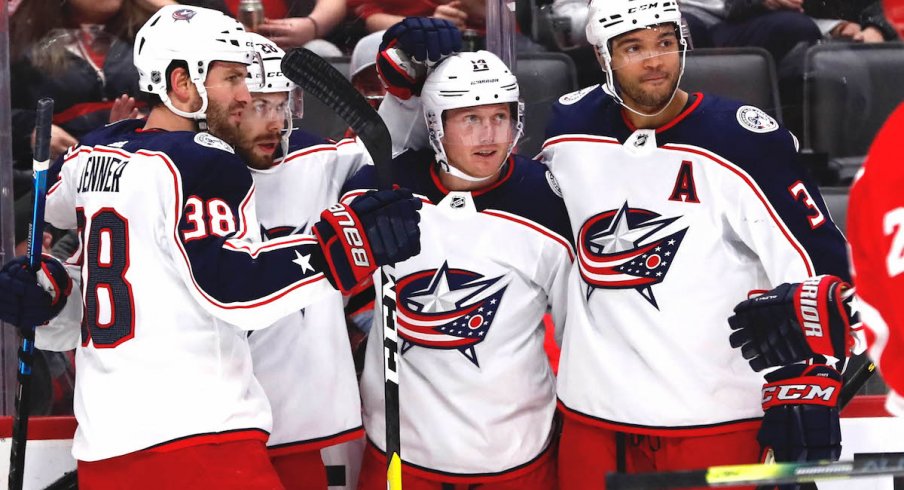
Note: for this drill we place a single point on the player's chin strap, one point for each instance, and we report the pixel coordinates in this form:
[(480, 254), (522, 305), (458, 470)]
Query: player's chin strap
[(455, 172), (200, 115)]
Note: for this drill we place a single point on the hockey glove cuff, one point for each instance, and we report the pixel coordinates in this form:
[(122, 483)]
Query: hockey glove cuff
[(801, 413), (794, 322), (29, 299), (377, 228), (409, 48)]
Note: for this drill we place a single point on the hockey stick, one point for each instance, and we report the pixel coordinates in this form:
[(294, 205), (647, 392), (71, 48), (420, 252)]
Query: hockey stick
[(759, 474), (318, 78), (40, 165)]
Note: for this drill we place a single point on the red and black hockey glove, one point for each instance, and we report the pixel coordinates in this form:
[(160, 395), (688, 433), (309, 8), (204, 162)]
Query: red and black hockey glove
[(409, 47), (377, 228), (794, 322), (27, 299), (801, 420)]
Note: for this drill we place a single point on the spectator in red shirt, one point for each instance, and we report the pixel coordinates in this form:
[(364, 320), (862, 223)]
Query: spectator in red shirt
[(294, 23), (381, 14)]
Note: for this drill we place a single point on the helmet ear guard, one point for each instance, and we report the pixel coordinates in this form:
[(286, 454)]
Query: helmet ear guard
[(468, 79)]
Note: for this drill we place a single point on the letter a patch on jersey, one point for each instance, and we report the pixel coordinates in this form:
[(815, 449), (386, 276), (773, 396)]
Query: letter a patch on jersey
[(685, 190)]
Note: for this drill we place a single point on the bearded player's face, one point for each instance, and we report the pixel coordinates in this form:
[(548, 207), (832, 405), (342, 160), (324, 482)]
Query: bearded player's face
[(261, 129), (227, 97), (646, 64)]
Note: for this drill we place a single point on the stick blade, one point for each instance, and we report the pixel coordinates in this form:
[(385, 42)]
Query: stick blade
[(319, 78)]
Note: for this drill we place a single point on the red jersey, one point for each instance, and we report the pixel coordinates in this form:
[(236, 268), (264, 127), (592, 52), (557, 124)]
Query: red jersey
[(876, 236)]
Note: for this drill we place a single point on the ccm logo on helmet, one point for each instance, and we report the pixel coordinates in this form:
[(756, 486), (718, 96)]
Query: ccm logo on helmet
[(643, 7), (797, 392), (809, 307), (350, 232)]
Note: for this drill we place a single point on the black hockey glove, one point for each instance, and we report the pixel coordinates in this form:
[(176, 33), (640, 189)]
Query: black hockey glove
[(801, 414), (409, 47), (27, 299), (794, 322), (377, 228)]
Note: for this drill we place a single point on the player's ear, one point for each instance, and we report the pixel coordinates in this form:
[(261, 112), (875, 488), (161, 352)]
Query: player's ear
[(182, 90)]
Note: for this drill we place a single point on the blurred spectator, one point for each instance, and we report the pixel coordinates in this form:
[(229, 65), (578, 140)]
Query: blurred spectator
[(294, 23), (867, 14), (79, 52), (363, 69), (776, 25), (379, 15)]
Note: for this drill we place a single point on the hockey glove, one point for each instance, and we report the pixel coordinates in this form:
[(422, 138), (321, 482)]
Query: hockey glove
[(794, 322), (27, 299), (801, 413), (409, 47), (377, 228)]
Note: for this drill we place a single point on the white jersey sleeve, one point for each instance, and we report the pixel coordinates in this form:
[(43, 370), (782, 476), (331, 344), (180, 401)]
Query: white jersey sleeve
[(405, 120)]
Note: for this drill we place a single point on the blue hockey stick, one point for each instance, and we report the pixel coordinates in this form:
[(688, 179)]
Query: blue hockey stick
[(35, 238)]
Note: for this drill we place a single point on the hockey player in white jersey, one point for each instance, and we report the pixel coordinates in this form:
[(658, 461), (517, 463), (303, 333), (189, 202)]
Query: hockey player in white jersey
[(681, 204), (476, 392), (173, 273), (304, 361)]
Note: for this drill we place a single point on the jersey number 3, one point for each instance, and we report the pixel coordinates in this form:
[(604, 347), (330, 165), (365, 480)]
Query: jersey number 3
[(109, 315), (800, 193)]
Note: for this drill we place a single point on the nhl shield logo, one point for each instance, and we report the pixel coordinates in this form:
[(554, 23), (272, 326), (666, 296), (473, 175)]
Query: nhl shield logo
[(458, 202), (447, 309), (625, 249)]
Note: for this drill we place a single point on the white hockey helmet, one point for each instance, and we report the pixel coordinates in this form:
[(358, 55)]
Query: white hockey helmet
[(608, 19), (195, 35), (468, 79), (265, 76)]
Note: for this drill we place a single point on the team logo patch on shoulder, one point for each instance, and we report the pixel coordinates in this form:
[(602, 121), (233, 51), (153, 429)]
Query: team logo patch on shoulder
[(573, 97), (756, 120), (553, 183), (211, 141)]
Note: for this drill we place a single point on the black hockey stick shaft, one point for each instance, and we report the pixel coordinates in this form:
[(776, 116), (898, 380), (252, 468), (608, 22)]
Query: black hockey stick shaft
[(320, 79), (41, 163), (861, 375)]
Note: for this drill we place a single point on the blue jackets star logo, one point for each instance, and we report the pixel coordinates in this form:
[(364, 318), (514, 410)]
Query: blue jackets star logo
[(625, 248), (447, 308)]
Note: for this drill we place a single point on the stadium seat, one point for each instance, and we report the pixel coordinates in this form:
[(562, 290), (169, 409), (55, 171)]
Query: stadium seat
[(543, 78), (744, 74), (849, 91)]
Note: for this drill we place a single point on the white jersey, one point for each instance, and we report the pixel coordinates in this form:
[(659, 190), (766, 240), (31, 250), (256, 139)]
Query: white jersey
[(673, 228), (304, 361), (477, 394), (173, 273)]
